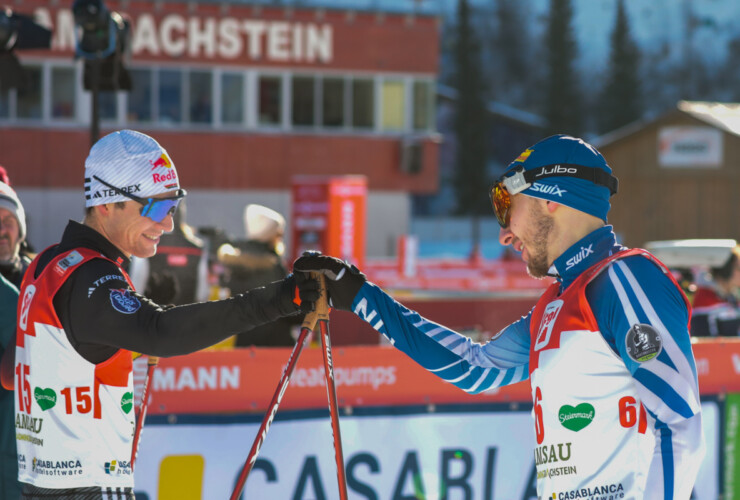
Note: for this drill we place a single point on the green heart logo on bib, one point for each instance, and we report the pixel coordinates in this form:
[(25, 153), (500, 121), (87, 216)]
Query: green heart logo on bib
[(127, 402), (46, 398), (576, 418)]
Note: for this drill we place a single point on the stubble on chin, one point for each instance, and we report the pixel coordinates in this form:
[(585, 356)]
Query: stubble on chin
[(542, 226)]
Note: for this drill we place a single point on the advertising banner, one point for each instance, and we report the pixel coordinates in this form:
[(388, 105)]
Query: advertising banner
[(244, 380), (732, 448), (330, 216), (462, 452), (690, 147)]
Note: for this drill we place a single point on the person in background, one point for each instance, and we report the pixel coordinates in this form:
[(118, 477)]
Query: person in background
[(14, 260), (178, 273), (716, 306), (606, 348), (10, 488), (80, 321), (254, 262)]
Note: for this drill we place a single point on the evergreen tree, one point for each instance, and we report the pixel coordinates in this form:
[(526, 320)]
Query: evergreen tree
[(620, 101), (562, 105), (470, 178), (510, 70)]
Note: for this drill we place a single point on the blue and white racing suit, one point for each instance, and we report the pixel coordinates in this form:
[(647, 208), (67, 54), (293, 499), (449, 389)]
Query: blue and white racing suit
[(614, 382)]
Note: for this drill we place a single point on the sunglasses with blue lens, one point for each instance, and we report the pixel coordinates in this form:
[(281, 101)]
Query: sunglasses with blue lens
[(155, 209)]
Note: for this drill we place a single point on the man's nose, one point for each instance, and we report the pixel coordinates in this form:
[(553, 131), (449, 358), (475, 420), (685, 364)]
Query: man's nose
[(168, 223)]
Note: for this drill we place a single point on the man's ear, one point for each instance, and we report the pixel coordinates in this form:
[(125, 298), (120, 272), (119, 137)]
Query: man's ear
[(103, 210), (552, 206)]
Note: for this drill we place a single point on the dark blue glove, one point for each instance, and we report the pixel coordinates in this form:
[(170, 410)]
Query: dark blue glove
[(343, 280), (301, 291)]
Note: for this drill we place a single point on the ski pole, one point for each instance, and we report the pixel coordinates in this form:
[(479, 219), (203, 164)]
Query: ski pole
[(309, 323), (150, 366), (331, 392)]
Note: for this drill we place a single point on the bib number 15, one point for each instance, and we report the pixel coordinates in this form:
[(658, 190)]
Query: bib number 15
[(22, 372)]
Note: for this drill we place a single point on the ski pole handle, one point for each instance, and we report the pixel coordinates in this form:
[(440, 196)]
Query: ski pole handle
[(321, 308)]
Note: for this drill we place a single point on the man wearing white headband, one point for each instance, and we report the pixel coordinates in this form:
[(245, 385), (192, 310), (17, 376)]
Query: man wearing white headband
[(80, 320)]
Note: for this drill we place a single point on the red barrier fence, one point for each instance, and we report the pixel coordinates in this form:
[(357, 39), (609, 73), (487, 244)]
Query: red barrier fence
[(243, 380)]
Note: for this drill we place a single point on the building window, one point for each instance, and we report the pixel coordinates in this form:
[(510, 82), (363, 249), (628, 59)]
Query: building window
[(423, 103), (179, 96), (170, 96), (140, 96), (201, 108), (363, 104), (232, 98), (303, 100), (29, 96), (393, 104), (270, 99), (333, 102), (63, 84)]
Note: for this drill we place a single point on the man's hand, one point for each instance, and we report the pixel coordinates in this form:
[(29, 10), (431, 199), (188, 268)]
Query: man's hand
[(343, 280), (302, 291)]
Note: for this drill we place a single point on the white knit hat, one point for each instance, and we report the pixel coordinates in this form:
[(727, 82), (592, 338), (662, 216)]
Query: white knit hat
[(130, 161), (9, 201), (262, 223)]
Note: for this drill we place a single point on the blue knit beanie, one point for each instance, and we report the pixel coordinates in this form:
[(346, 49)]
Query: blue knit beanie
[(579, 194)]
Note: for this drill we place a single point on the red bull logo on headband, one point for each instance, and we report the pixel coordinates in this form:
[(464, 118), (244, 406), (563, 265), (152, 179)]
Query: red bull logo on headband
[(162, 161), (525, 154), (170, 176)]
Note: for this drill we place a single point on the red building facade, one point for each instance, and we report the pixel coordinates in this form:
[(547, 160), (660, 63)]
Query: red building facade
[(242, 96)]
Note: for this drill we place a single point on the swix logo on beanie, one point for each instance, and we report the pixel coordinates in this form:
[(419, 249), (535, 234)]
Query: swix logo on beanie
[(545, 189)]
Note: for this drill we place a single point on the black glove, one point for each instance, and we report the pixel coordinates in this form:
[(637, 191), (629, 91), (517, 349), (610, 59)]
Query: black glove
[(161, 287), (299, 285), (343, 280)]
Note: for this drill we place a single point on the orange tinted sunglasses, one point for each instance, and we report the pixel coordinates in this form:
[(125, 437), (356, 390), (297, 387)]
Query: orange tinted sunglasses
[(517, 180)]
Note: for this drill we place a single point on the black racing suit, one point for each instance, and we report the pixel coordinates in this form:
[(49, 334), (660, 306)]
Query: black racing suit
[(241, 278), (98, 330)]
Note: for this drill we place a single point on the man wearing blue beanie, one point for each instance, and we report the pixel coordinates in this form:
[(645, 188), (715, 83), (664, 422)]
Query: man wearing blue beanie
[(606, 348)]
